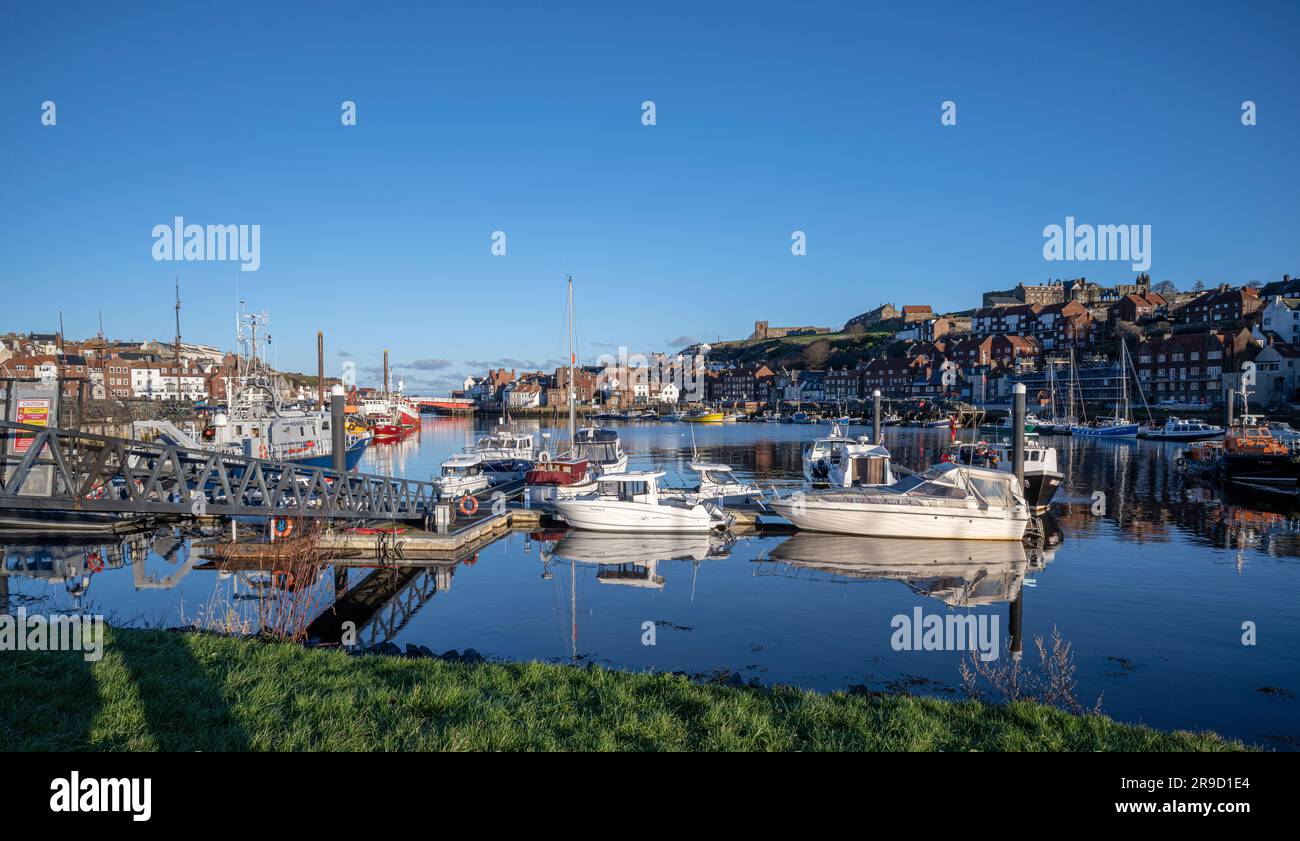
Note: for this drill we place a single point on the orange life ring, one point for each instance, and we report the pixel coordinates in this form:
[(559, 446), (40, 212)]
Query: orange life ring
[(282, 527), (468, 505)]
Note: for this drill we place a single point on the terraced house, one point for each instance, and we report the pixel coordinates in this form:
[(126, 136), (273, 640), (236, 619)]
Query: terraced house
[(1220, 306), (1190, 367)]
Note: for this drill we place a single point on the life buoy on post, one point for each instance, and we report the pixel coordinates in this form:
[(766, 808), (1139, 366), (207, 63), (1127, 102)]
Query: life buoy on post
[(468, 505), (543, 457), (281, 527)]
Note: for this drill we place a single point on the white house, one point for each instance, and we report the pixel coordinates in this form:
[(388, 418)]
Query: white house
[(1277, 374), (155, 384), (669, 393), (1281, 316)]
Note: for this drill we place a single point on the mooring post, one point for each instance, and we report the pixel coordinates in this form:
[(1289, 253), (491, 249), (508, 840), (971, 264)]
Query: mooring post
[(1018, 439), (338, 429), (875, 416), (1015, 619), (1228, 407)]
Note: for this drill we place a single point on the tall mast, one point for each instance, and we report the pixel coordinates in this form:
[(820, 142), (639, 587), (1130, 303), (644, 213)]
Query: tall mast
[(573, 411), (177, 360)]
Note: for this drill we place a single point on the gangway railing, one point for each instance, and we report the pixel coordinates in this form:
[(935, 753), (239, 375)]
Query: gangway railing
[(59, 470)]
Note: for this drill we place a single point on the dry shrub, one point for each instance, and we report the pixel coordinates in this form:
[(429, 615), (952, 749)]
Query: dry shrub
[(1009, 679), (294, 588)]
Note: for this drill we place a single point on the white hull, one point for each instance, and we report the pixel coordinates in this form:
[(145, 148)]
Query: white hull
[(869, 520), (614, 516)]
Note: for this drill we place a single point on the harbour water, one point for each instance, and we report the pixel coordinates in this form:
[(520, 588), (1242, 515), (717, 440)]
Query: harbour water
[(1148, 574)]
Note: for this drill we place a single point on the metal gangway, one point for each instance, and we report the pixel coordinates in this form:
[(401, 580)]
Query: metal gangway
[(59, 471)]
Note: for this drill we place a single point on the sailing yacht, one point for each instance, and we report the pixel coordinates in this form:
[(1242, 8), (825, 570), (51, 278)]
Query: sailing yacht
[(1119, 425), (593, 451)]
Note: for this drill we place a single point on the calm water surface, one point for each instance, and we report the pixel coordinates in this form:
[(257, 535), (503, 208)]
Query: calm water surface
[(1151, 585)]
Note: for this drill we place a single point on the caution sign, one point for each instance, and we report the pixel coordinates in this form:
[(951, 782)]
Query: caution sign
[(32, 411)]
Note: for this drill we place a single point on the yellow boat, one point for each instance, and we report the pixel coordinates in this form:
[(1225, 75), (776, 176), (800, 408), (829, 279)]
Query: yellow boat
[(704, 416)]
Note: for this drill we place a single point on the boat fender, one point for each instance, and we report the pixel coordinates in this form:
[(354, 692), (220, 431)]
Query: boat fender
[(468, 505), (282, 527)]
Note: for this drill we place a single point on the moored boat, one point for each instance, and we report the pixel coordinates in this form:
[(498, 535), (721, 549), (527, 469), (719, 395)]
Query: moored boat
[(631, 502), (946, 501)]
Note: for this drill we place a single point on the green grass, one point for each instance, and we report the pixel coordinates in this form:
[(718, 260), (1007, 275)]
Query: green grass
[(158, 690)]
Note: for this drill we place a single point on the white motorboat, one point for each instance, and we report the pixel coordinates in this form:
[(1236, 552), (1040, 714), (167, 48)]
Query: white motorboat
[(859, 464), (631, 502), (601, 447), (508, 453), (821, 455), (947, 501), (717, 484), (1042, 479), (463, 474), (1176, 429)]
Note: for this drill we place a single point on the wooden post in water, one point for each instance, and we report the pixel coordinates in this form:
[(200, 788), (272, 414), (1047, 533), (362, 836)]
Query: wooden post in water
[(1228, 407), (338, 429), (1018, 437), (875, 416)]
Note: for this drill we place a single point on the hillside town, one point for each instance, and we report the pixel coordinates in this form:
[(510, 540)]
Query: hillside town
[(1186, 348), (105, 369)]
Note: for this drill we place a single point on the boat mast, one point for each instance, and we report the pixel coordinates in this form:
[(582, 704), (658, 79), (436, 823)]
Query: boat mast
[(573, 411)]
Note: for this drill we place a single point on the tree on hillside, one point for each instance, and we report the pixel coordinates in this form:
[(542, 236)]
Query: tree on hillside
[(1165, 289), (816, 354), (1199, 287)]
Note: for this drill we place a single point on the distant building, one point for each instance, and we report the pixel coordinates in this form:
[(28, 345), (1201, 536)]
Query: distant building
[(763, 331), (1220, 306), (874, 318)]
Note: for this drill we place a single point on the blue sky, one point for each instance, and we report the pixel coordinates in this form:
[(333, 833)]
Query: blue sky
[(526, 118)]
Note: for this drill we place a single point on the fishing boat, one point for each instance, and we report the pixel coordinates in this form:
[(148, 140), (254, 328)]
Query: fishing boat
[(1042, 479), (1033, 424), (631, 502), (801, 417), (257, 423), (946, 501), (462, 474), (1175, 429), (704, 416)]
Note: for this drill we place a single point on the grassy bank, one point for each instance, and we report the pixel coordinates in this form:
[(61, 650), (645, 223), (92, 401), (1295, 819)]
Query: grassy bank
[(172, 691)]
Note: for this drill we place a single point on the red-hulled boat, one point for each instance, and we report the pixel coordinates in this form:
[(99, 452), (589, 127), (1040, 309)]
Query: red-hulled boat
[(546, 478)]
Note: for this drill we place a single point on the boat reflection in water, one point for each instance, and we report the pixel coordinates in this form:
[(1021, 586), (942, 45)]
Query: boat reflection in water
[(632, 559), (960, 573)]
